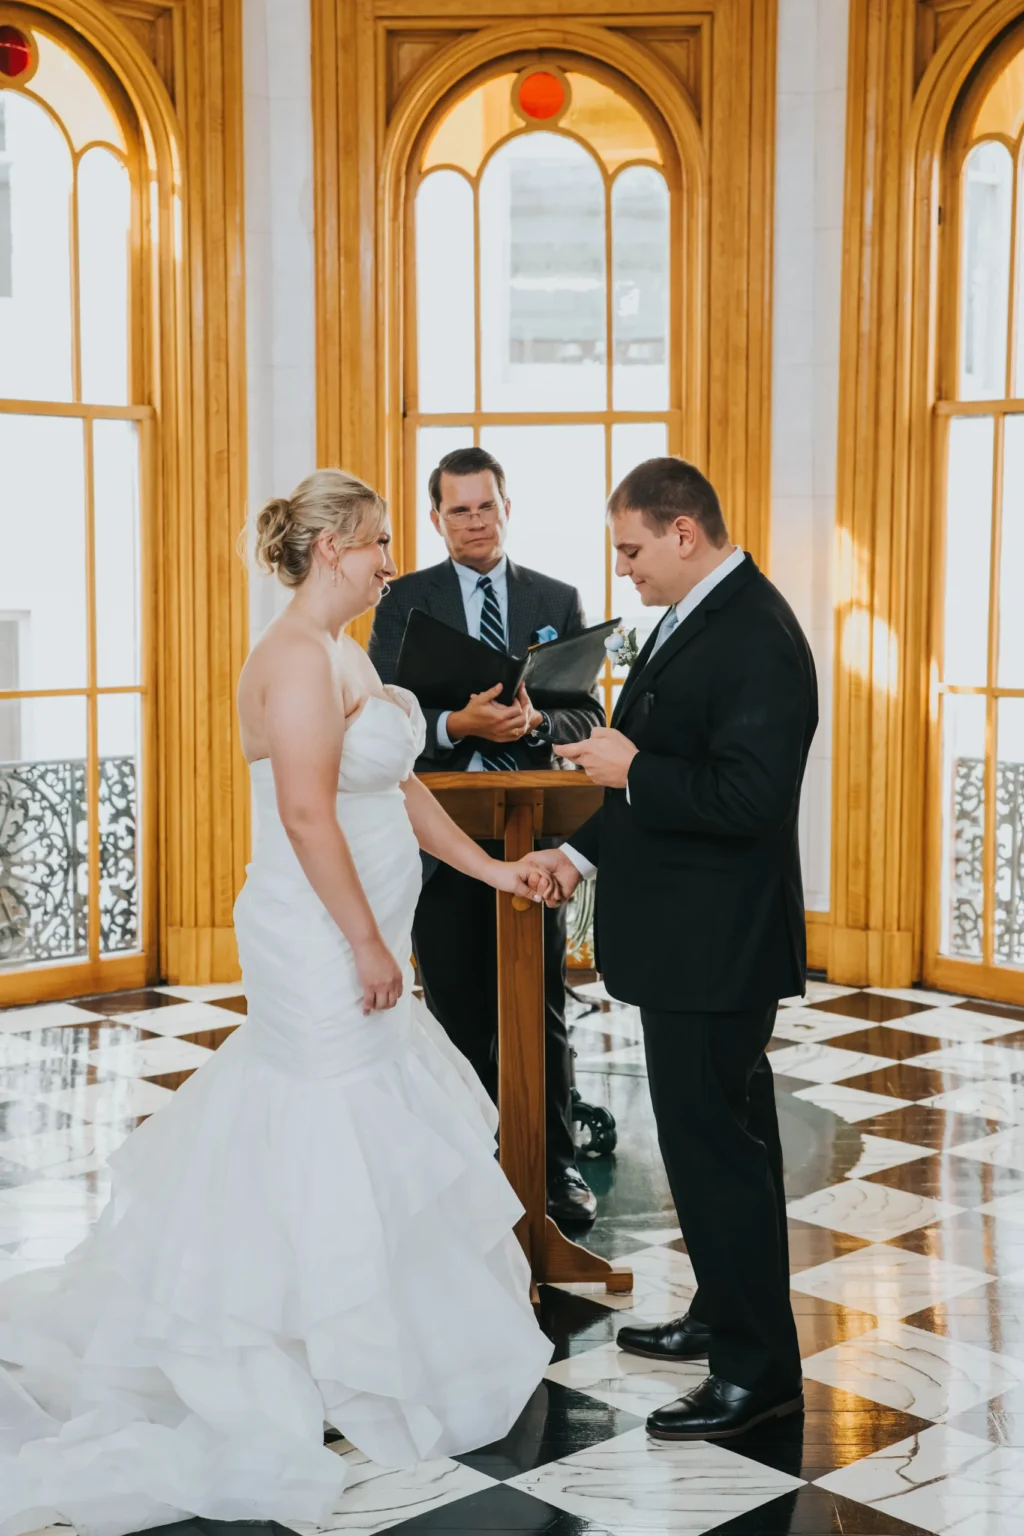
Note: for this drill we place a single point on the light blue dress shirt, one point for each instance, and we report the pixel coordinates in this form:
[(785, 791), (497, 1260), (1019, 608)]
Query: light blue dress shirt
[(473, 604)]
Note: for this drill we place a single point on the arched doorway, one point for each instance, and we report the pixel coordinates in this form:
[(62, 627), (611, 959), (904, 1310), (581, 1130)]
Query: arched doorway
[(543, 307), (75, 440), (974, 939)]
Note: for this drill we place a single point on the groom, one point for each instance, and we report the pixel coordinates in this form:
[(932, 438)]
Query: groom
[(700, 921)]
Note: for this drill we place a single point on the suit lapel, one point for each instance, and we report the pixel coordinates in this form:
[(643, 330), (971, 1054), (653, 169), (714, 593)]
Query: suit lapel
[(692, 625), (446, 596), (523, 598)]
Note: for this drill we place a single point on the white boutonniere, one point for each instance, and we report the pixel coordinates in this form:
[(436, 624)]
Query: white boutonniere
[(622, 648)]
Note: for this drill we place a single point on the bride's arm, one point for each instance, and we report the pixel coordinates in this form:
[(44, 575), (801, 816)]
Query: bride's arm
[(436, 833), (305, 729)]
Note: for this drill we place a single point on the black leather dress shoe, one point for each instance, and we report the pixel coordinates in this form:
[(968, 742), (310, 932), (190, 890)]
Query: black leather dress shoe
[(684, 1339), (716, 1410), (570, 1197)]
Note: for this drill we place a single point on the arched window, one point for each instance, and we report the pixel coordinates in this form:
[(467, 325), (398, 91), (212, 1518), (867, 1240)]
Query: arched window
[(544, 321), (72, 706), (978, 827)]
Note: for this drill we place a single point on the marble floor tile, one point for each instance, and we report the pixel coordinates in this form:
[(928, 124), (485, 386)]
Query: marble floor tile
[(376, 1498), (818, 992), (887, 1281), (1005, 1148), (663, 1286), (823, 1063), (1005, 1208), (147, 1058), (918, 995), (872, 1211), (800, 1024), (916, 1371), (615, 1029), (628, 1381), (62, 1154), (871, 1009), (974, 1059), (942, 1481), (634, 1484), (882, 1152), (184, 1019), (965, 1024), (850, 1104), (15, 1021), (121, 1099), (990, 1100), (623, 1056), (656, 1236), (22, 1051), (905, 1080), (210, 993), (891, 1042)]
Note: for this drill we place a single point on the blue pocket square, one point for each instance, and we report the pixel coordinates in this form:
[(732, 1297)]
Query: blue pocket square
[(549, 632)]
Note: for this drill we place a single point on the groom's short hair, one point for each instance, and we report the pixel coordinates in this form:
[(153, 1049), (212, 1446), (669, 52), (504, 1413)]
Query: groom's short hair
[(663, 489)]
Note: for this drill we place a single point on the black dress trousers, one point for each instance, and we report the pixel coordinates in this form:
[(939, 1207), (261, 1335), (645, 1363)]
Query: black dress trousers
[(714, 1104), (456, 947)]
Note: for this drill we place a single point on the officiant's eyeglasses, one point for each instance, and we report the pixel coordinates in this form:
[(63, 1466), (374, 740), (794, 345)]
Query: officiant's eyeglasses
[(461, 515)]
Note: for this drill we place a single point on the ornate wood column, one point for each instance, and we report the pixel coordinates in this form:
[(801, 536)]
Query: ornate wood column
[(908, 60)]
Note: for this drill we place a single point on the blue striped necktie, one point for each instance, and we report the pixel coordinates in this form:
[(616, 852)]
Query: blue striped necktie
[(492, 632)]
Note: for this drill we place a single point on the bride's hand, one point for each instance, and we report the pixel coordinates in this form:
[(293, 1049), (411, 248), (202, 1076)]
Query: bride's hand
[(380, 975), (523, 879)]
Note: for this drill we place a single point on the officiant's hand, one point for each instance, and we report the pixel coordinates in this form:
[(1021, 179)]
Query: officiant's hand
[(551, 864), (483, 716), (605, 755)]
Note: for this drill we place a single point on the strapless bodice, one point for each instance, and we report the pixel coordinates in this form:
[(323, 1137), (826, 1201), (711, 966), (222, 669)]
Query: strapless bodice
[(381, 746)]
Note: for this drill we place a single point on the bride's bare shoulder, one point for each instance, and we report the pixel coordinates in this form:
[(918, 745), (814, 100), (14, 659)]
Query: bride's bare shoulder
[(288, 653)]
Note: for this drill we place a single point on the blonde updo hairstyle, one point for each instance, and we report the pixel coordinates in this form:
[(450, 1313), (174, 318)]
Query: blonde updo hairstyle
[(327, 501)]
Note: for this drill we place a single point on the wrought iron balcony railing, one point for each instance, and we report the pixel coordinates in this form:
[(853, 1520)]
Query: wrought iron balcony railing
[(44, 860)]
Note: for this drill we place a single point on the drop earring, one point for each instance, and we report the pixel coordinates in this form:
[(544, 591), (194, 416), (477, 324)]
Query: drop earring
[(334, 575)]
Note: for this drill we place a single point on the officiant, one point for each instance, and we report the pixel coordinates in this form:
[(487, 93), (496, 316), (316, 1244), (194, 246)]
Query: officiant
[(477, 589)]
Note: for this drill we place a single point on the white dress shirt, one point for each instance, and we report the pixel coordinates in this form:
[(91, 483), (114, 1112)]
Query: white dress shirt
[(473, 604), (682, 611)]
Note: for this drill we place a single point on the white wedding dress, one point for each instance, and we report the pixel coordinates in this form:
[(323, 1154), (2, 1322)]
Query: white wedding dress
[(314, 1228)]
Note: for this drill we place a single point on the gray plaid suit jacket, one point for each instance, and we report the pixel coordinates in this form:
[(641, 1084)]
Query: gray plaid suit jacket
[(534, 601)]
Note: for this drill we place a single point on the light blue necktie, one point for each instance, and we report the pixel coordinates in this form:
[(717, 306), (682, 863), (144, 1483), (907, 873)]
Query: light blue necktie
[(668, 624)]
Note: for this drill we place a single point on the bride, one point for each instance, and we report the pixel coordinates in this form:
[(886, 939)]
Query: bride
[(315, 1229)]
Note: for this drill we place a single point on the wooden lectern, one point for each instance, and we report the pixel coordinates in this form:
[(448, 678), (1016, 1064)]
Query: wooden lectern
[(517, 808)]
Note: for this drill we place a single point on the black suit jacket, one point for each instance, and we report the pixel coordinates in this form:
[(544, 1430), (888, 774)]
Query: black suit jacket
[(534, 602), (699, 896)]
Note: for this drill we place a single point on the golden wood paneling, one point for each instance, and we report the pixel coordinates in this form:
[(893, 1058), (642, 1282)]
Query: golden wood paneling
[(190, 349), (889, 385), (364, 140), (686, 51)]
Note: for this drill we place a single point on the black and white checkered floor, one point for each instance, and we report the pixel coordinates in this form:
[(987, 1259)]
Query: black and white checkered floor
[(903, 1121)]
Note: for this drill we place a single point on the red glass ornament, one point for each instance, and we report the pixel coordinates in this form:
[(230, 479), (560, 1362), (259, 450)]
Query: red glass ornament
[(15, 53), (541, 95)]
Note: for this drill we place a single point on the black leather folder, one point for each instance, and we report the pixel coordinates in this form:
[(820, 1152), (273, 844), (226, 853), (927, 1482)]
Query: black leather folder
[(441, 664)]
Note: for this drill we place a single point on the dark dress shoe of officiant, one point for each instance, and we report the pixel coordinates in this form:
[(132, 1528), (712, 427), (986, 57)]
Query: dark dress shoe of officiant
[(683, 1339), (570, 1197), (716, 1410)]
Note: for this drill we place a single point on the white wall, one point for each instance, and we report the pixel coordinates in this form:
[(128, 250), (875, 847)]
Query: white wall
[(280, 310), (809, 170)]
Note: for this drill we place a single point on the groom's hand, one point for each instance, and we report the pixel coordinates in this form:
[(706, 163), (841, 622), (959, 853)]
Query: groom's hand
[(552, 863), (605, 756)]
